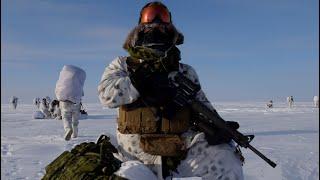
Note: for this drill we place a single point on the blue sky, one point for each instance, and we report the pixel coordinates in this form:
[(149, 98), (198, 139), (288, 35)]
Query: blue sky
[(248, 50)]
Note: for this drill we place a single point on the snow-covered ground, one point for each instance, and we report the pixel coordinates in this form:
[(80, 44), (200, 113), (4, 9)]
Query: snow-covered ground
[(290, 137)]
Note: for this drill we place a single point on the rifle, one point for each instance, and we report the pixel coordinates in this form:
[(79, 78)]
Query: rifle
[(186, 90)]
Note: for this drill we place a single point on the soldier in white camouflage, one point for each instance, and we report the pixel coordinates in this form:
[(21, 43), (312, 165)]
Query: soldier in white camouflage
[(150, 131)]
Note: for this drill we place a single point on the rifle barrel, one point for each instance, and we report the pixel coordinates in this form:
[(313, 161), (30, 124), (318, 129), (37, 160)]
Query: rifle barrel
[(271, 163), (187, 88), (220, 123)]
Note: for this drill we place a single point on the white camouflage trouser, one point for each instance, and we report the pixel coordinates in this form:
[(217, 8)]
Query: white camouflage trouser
[(70, 115), (209, 162), (44, 109), (290, 103)]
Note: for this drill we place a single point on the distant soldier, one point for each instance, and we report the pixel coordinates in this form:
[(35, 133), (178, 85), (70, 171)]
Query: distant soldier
[(270, 104), (290, 101), (69, 90), (48, 99), (316, 101), (36, 102), (44, 108), (55, 109), (14, 102)]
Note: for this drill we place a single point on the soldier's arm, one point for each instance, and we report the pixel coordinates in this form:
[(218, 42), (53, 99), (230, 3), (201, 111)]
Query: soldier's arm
[(115, 88)]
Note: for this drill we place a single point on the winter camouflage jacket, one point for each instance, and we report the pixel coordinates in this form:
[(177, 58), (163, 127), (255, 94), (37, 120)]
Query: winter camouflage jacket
[(115, 89)]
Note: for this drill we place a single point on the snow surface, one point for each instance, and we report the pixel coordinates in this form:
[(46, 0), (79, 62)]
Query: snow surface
[(290, 137)]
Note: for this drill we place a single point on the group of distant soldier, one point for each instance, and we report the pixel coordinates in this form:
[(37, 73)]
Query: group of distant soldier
[(47, 109), (290, 102)]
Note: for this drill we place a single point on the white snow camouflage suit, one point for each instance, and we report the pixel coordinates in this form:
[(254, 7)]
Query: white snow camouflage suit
[(43, 107), (69, 90), (208, 162), (14, 102)]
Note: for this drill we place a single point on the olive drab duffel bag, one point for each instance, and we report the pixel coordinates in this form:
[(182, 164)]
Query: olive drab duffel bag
[(85, 161)]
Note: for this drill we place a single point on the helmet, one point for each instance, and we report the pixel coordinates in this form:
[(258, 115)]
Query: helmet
[(155, 11), (155, 29)]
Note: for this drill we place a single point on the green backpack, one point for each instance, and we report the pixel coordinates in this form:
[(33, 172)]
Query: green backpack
[(86, 161)]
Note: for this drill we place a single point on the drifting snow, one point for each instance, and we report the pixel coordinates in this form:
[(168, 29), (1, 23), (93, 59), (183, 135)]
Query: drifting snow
[(290, 137)]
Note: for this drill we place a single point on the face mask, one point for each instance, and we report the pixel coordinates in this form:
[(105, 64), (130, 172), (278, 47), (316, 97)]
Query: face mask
[(156, 36), (159, 36)]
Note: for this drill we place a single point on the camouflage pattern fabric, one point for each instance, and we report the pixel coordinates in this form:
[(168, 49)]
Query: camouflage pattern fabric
[(86, 161), (145, 53), (156, 59)]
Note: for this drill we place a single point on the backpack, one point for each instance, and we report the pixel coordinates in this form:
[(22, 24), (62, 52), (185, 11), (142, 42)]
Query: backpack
[(85, 161), (70, 84)]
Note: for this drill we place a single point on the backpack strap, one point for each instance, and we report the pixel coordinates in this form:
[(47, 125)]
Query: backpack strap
[(109, 163)]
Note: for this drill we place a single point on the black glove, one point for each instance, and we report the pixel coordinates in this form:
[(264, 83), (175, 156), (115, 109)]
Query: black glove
[(138, 74), (221, 136), (157, 89), (153, 86)]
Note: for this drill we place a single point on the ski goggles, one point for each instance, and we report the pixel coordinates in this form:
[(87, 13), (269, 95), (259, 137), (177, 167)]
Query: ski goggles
[(150, 13)]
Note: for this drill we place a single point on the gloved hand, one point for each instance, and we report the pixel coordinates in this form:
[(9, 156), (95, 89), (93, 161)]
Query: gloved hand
[(153, 87), (138, 74), (157, 89), (221, 136)]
